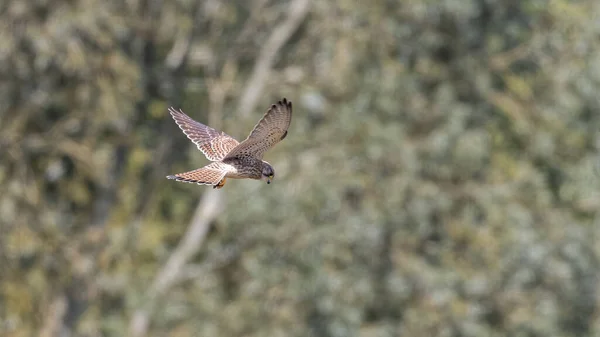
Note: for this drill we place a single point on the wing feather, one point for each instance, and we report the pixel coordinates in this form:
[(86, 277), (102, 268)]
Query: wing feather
[(214, 145), (270, 130)]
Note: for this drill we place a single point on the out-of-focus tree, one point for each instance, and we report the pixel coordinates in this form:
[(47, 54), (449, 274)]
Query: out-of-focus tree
[(440, 176)]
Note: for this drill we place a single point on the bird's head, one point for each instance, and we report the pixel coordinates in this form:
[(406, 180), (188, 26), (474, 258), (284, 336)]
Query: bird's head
[(268, 173)]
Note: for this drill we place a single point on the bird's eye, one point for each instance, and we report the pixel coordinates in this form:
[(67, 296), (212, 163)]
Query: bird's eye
[(271, 176)]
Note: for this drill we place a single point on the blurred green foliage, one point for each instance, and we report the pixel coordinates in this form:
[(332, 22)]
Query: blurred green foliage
[(441, 175)]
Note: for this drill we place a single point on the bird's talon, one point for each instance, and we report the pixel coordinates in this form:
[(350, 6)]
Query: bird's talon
[(220, 184)]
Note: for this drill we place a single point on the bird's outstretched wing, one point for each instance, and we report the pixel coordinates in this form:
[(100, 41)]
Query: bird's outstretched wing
[(214, 144), (210, 174), (271, 129)]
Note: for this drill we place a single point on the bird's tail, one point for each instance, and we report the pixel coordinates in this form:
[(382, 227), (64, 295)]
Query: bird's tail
[(208, 175)]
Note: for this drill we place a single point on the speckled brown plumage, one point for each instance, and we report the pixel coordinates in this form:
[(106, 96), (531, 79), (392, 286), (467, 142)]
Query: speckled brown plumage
[(214, 144), (232, 159), (269, 130)]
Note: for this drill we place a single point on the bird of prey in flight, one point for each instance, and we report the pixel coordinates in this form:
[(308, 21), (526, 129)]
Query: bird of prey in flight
[(230, 158)]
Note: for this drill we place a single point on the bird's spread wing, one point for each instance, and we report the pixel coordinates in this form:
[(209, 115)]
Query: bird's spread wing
[(210, 174), (214, 144), (271, 129)]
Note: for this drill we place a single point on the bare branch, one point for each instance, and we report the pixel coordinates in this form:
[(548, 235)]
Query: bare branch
[(179, 52), (53, 323), (217, 260), (208, 209), (262, 68)]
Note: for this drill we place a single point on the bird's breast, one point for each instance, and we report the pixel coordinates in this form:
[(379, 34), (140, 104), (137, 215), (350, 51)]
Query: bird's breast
[(244, 168)]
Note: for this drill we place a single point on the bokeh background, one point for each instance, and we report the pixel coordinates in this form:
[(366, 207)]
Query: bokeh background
[(441, 176)]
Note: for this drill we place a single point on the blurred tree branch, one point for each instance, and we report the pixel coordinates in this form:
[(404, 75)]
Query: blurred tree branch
[(254, 87), (55, 315), (208, 209)]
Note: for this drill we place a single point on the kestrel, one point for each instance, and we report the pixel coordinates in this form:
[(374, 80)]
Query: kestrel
[(230, 158)]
